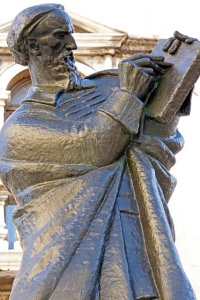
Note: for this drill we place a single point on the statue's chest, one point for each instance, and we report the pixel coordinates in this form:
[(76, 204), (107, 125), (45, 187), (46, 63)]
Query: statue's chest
[(79, 105)]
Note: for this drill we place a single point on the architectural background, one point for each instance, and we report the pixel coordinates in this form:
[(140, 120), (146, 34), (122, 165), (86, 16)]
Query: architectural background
[(146, 21)]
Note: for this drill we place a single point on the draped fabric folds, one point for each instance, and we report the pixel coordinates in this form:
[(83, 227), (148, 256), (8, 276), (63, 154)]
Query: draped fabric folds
[(111, 221), (99, 229)]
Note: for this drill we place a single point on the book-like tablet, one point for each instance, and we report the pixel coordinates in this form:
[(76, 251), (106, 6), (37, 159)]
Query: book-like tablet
[(178, 81)]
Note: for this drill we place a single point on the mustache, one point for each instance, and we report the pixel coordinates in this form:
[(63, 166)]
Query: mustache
[(65, 57)]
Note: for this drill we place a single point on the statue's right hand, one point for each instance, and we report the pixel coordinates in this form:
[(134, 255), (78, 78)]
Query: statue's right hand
[(138, 73)]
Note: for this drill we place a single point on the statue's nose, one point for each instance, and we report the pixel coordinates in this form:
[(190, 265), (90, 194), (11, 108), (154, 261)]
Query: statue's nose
[(74, 46), (71, 44)]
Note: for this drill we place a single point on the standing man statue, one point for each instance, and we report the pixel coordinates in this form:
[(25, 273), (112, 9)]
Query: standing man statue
[(92, 208)]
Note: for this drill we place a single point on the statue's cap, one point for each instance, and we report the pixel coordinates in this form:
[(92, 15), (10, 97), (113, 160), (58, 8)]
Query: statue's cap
[(25, 21)]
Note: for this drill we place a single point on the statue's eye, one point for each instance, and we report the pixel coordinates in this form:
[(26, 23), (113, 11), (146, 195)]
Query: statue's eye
[(59, 35)]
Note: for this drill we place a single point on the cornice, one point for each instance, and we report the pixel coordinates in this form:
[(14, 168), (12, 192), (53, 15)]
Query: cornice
[(85, 41), (100, 44), (136, 45)]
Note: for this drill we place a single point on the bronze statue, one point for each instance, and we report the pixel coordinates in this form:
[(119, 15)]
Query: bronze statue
[(89, 172)]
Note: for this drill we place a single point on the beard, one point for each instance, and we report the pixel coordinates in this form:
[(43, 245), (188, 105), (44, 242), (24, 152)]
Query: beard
[(62, 68)]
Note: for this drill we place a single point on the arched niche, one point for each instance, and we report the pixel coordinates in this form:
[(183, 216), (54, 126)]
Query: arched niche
[(18, 85)]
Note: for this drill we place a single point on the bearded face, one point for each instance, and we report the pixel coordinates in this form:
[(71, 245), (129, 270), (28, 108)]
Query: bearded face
[(54, 44)]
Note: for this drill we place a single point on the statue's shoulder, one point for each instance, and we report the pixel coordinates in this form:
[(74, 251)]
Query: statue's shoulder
[(106, 81)]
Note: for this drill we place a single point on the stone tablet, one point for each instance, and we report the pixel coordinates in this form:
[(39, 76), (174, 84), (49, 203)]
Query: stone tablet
[(176, 84)]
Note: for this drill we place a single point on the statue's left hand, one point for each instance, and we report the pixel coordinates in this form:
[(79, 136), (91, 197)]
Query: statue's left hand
[(173, 43)]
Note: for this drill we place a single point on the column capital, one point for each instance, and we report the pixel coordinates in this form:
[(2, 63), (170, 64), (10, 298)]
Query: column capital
[(3, 199), (5, 97)]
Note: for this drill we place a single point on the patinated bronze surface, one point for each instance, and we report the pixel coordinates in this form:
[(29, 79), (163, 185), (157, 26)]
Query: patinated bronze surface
[(90, 172)]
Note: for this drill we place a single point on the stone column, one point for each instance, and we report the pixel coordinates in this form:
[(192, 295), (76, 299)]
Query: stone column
[(5, 99), (3, 230)]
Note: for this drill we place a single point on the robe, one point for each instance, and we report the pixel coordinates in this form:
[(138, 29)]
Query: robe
[(92, 198)]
